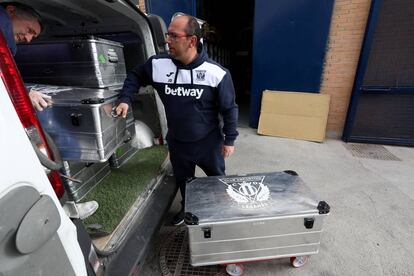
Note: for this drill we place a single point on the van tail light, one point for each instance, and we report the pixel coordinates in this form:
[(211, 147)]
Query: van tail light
[(24, 109)]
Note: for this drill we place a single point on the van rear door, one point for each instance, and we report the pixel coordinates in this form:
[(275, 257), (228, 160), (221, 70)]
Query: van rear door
[(36, 237)]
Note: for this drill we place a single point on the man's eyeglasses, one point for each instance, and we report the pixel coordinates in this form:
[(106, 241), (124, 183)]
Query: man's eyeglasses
[(175, 36)]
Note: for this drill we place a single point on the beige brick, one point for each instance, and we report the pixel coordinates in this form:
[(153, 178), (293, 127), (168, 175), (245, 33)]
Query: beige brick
[(343, 50)]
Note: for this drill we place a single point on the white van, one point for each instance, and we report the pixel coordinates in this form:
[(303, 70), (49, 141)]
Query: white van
[(36, 236)]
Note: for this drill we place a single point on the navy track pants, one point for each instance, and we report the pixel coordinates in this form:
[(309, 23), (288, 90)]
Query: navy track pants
[(205, 153)]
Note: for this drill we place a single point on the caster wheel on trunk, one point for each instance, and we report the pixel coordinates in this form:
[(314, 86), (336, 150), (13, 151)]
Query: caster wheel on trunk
[(234, 269), (299, 261)]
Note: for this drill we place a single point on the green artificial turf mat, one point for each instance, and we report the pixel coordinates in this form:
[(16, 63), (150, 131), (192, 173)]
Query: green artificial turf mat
[(119, 190)]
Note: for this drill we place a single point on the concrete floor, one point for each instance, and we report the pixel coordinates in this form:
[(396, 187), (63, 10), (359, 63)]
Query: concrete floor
[(370, 230)]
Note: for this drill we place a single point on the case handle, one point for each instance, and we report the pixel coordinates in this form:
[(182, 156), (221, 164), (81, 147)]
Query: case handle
[(113, 112), (112, 56)]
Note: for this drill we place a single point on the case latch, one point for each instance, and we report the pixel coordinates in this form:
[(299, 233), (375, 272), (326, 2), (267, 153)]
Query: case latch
[(207, 232), (75, 118), (309, 223)]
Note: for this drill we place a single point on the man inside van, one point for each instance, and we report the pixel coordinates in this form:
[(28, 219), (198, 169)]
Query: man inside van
[(195, 92), (20, 24)]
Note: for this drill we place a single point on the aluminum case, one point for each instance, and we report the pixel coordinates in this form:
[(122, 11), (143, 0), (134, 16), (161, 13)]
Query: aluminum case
[(86, 62), (82, 122), (252, 217)]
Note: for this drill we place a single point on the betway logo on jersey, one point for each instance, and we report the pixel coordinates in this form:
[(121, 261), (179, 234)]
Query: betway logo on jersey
[(183, 92)]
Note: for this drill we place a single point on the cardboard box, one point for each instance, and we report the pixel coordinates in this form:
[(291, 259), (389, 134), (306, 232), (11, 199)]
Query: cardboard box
[(294, 115)]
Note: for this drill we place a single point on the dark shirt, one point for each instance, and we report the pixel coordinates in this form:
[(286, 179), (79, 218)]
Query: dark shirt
[(7, 29)]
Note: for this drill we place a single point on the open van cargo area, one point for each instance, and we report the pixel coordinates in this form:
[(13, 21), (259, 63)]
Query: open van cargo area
[(123, 193), (88, 47)]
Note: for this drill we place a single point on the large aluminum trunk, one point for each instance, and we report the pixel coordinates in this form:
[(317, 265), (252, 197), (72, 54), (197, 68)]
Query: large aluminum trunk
[(242, 218), (86, 62), (82, 122)]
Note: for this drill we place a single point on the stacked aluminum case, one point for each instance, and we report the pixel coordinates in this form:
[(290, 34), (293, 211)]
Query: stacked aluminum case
[(82, 122), (243, 218), (86, 62)]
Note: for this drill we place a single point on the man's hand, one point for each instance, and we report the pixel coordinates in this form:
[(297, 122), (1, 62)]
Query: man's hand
[(122, 109), (227, 151), (40, 100)]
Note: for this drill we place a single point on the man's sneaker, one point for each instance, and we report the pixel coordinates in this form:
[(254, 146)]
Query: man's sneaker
[(80, 210), (178, 218)]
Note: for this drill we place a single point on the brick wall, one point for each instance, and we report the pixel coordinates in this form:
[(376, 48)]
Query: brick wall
[(346, 35)]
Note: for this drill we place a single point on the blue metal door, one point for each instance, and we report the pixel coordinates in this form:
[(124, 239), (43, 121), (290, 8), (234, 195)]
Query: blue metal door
[(289, 45), (167, 8), (382, 102)]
